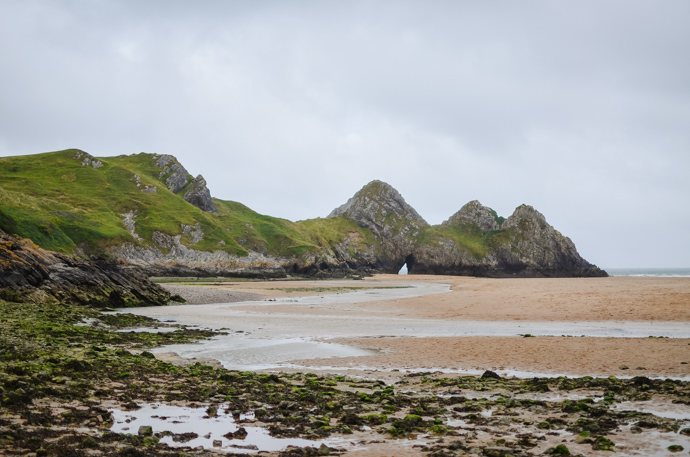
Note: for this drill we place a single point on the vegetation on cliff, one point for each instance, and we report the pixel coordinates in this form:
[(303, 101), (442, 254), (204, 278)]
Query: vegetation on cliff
[(147, 209)]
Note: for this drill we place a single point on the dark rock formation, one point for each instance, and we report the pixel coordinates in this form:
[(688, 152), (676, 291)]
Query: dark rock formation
[(199, 195), (31, 274), (381, 208)]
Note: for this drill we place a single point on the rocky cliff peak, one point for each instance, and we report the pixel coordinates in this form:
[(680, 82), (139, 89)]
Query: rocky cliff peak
[(199, 195), (476, 214), (381, 208), (539, 244), (178, 178), (378, 205), (525, 217)]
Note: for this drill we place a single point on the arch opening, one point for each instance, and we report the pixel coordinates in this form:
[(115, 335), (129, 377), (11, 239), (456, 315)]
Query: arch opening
[(407, 266)]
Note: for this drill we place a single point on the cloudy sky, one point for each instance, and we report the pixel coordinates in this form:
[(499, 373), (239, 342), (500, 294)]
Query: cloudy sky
[(580, 109)]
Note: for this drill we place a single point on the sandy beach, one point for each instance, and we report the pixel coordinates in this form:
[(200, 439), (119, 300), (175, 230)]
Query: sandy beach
[(648, 303)]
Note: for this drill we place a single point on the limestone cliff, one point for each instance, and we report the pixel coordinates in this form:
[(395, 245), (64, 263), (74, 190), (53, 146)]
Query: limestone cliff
[(474, 241), (29, 273), (381, 208)]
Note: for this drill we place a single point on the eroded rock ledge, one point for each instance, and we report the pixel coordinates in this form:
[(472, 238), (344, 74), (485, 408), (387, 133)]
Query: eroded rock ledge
[(31, 274)]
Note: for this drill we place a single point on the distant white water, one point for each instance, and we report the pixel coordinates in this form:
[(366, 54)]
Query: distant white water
[(650, 272)]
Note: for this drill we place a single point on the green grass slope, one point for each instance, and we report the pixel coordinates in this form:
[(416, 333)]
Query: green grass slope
[(62, 204)]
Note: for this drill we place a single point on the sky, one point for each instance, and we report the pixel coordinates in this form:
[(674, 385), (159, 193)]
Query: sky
[(580, 109)]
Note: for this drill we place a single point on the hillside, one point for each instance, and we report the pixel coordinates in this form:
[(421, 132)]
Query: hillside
[(148, 210)]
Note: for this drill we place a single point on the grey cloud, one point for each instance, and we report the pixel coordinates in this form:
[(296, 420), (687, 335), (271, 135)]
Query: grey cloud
[(581, 109)]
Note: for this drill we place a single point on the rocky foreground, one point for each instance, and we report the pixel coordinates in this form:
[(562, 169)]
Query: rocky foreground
[(65, 370)]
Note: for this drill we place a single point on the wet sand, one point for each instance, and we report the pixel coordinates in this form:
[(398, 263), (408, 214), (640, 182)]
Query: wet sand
[(570, 356), (543, 299), (421, 332)]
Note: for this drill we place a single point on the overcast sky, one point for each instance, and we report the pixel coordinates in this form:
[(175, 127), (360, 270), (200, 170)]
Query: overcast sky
[(580, 109)]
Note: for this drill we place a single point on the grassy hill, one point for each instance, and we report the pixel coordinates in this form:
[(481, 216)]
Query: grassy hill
[(69, 200), (147, 209)]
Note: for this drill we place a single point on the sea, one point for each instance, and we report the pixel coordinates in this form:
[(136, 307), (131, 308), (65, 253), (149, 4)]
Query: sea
[(651, 272)]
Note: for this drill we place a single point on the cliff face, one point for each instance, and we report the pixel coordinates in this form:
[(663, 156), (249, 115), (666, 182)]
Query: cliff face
[(380, 208), (475, 241), (31, 274), (478, 243)]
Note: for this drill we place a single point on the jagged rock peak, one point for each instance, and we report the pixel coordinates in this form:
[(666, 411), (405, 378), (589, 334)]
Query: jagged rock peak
[(476, 214), (199, 195), (525, 217), (179, 176), (376, 202), (542, 245)]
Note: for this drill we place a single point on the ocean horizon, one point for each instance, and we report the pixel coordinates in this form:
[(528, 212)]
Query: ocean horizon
[(652, 272)]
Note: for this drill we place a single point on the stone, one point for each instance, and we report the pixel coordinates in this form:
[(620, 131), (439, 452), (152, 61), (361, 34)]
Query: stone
[(184, 437), (603, 444), (145, 430), (488, 374), (239, 434), (87, 159), (129, 219), (323, 450), (497, 451), (249, 447)]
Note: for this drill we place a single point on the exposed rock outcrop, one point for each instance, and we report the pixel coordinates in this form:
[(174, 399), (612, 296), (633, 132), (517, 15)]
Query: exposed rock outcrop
[(29, 273), (167, 256), (475, 241), (475, 213), (178, 178), (381, 208), (87, 159), (199, 195), (524, 246)]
